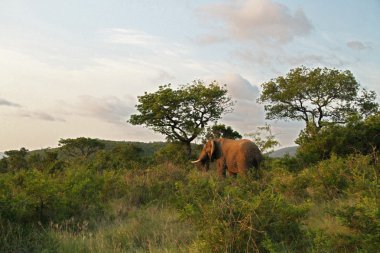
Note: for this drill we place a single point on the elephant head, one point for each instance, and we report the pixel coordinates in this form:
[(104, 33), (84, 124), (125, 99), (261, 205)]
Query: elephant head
[(206, 156), (232, 156)]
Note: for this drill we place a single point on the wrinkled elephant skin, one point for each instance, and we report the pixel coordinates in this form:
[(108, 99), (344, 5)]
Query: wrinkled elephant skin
[(232, 156)]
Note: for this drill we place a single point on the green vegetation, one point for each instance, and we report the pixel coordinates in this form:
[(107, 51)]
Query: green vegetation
[(182, 114), (316, 96), (110, 204), (222, 131), (90, 195)]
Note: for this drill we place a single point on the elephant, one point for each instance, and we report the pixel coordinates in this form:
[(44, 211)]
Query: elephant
[(232, 156)]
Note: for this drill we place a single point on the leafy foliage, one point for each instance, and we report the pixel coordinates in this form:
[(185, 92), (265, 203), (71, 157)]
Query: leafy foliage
[(120, 156), (182, 114), (81, 147), (168, 206), (16, 159), (316, 96), (357, 136), (222, 131), (264, 139)]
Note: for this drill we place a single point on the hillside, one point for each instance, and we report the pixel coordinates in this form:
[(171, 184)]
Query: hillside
[(291, 151)]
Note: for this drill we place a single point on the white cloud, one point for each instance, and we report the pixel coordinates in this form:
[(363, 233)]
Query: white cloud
[(130, 36), (240, 88), (146, 42), (211, 39), (109, 109), (8, 103), (247, 114), (39, 115), (357, 45), (261, 21)]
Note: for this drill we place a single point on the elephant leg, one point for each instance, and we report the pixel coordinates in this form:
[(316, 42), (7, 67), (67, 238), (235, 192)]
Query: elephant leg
[(222, 168), (231, 174), (243, 168)]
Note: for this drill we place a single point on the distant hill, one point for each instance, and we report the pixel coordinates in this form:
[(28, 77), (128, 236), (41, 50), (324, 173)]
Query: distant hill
[(2, 155), (291, 151)]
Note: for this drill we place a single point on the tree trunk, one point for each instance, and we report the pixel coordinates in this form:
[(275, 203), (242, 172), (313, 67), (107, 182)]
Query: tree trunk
[(188, 147)]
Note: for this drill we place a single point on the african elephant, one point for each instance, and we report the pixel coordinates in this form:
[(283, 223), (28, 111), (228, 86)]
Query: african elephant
[(234, 156)]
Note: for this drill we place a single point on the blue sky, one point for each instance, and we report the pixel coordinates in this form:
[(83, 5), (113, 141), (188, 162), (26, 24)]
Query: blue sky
[(75, 68)]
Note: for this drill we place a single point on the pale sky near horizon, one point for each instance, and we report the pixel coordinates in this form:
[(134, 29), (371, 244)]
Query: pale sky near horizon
[(75, 68)]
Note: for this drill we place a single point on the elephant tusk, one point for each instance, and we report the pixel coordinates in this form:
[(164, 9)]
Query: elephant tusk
[(197, 161)]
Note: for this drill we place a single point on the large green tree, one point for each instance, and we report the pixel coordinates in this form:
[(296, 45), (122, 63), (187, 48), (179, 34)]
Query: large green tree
[(81, 147), (316, 96), (182, 114)]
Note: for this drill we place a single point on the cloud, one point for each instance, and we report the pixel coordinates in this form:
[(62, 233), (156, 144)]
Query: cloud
[(261, 21), (146, 42), (210, 39), (110, 108), (130, 36), (247, 114), (313, 59), (8, 103), (240, 88), (40, 116), (357, 45)]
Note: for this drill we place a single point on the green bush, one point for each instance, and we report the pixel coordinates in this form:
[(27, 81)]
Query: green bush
[(172, 152), (239, 215), (357, 136), (340, 177), (254, 223), (29, 196), (121, 156), (363, 220), (155, 184)]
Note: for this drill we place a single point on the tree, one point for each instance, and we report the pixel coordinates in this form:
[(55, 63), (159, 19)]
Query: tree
[(316, 96), (182, 114), (16, 159), (264, 138), (221, 131), (81, 146)]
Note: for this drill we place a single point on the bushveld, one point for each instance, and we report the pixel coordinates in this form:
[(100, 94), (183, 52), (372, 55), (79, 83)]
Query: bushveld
[(110, 202)]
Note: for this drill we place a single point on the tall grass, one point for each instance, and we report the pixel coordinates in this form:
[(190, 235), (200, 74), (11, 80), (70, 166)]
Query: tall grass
[(150, 229)]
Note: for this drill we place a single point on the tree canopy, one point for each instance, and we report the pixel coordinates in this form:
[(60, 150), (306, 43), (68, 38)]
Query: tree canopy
[(222, 131), (182, 114), (81, 147), (316, 96), (15, 159)]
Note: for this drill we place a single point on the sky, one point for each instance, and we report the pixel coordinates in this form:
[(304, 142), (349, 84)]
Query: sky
[(75, 68)]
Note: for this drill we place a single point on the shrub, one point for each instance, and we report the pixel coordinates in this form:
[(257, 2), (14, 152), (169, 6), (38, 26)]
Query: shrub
[(240, 215), (363, 220), (340, 177), (255, 223), (121, 156), (82, 193), (357, 136), (155, 184), (172, 152), (29, 196)]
